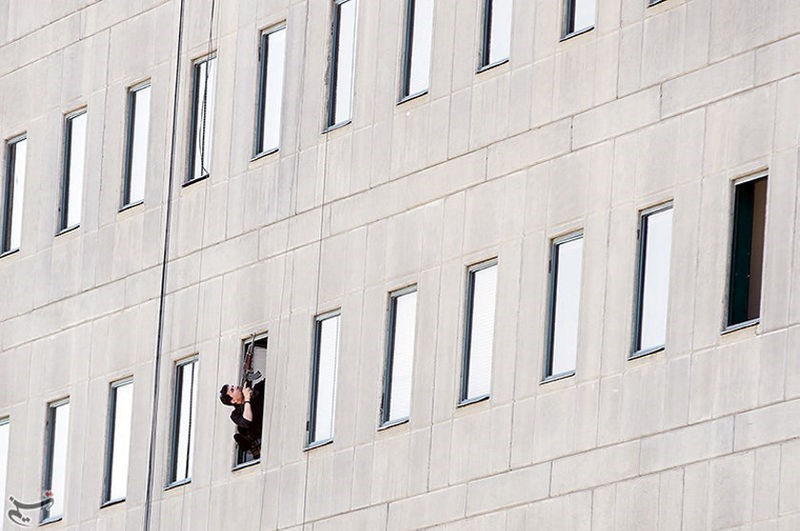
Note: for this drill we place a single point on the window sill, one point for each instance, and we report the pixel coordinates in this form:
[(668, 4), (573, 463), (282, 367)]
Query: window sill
[(51, 520), (470, 401), (129, 206), (740, 326), (410, 97), (646, 352), (334, 127), (9, 252), (557, 377), (67, 229), (490, 66), (195, 180), (109, 503), (317, 444), (393, 423), (655, 3), (264, 154), (179, 483), (246, 464), (575, 34)]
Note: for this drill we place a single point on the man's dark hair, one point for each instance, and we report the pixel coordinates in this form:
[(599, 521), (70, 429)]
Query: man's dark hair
[(223, 396)]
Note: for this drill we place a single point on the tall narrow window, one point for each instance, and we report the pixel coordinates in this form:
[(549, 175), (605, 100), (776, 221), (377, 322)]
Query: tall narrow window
[(496, 46), (249, 431), (202, 129), (55, 459), (340, 97), (120, 411), (270, 90), (184, 416), (5, 429), (323, 379), (72, 181), (652, 292), (476, 373), (579, 16), (13, 193), (565, 298), (417, 56), (138, 131), (747, 251), (396, 403)]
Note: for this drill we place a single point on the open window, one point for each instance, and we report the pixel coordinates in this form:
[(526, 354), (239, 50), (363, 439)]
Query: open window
[(252, 367)]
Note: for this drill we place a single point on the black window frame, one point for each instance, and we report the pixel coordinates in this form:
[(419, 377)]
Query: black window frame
[(66, 177), (194, 118), (110, 431), (466, 350), (568, 29), (263, 63), (261, 340), (8, 195), (388, 380), (408, 44), (130, 124), (47, 475), (485, 62), (180, 366), (313, 394), (333, 66)]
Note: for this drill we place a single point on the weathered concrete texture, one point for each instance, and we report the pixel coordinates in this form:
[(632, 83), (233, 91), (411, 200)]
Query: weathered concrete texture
[(669, 102)]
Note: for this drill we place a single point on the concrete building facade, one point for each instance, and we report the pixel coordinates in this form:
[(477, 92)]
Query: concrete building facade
[(580, 131)]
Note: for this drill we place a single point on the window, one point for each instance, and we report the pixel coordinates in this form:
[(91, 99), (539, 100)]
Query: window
[(13, 192), (747, 251), (5, 428), (55, 460), (652, 292), (270, 90), (120, 411), (202, 128), (476, 374), (564, 311), (184, 416), (417, 54), (137, 133), (323, 379), (250, 449), (579, 16), (72, 181), (396, 403), (342, 62), (496, 45)]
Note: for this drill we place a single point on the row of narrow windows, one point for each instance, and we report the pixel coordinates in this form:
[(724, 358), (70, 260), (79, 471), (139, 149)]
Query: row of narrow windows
[(560, 359), (495, 49)]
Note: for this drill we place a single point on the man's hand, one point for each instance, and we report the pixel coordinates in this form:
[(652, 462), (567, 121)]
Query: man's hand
[(247, 392)]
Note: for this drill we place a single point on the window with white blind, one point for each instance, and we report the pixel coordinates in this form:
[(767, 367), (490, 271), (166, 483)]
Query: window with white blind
[(417, 53), (184, 417), (579, 16), (16, 159), (341, 71), (323, 379), (118, 440), (398, 370), (270, 89), (476, 380), (496, 44), (55, 459), (138, 132), (566, 263), (73, 173), (204, 81), (652, 293)]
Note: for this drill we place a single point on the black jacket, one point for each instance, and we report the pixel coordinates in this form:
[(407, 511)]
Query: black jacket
[(251, 428)]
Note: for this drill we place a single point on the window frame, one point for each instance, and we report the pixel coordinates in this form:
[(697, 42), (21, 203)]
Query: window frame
[(4, 461), (568, 24), (333, 66), (130, 124), (172, 480), (111, 416), (263, 64), (314, 384), (66, 175), (552, 302), (391, 327), (641, 256), (9, 192), (408, 48), (485, 62), (47, 472), (728, 326), (194, 118), (466, 349), (262, 337)]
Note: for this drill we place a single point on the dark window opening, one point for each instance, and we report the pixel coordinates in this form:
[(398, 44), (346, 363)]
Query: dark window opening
[(252, 369)]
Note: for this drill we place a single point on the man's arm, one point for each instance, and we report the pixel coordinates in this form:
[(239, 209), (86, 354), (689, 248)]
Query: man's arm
[(247, 410)]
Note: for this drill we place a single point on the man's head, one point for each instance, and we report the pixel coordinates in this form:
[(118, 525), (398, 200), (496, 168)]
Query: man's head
[(231, 395)]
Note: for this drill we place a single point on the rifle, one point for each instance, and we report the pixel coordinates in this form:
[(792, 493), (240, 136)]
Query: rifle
[(248, 374)]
